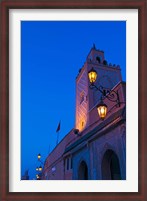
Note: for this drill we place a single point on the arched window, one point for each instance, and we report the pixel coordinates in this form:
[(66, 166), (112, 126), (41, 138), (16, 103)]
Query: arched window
[(98, 59), (110, 166), (83, 171)]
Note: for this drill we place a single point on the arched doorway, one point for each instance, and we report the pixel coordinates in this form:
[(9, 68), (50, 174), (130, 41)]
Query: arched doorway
[(110, 166), (83, 171)]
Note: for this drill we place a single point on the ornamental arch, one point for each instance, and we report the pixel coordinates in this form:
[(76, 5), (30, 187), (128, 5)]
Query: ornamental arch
[(110, 166), (83, 171)]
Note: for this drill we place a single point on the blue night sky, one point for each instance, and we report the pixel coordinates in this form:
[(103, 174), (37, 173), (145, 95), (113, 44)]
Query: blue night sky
[(52, 53)]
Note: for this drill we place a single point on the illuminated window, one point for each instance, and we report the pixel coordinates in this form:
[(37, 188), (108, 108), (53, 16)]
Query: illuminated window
[(82, 124)]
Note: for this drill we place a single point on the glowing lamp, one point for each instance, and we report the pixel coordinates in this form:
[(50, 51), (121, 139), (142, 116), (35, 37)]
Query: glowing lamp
[(39, 156), (102, 110), (37, 168), (37, 176), (92, 74), (40, 168)]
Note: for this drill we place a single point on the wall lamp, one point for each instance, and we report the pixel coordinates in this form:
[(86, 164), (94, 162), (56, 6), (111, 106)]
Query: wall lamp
[(39, 158), (110, 94)]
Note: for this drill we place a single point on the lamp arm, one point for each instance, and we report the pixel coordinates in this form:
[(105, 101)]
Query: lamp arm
[(100, 88), (115, 106), (111, 95)]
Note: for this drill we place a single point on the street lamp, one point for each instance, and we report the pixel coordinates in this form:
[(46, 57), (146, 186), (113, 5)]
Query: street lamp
[(37, 176), (102, 109), (39, 156), (92, 74), (39, 169), (110, 94)]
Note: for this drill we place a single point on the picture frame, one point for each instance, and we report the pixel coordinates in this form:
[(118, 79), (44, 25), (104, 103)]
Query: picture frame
[(141, 5)]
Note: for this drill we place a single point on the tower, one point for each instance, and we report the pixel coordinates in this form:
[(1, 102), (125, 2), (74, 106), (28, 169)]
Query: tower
[(86, 99)]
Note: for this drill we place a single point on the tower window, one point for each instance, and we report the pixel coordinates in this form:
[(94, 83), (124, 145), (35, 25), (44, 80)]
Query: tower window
[(98, 59), (86, 98), (82, 124), (81, 97)]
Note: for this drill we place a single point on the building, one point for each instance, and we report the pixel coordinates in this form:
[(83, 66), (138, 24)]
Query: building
[(95, 149)]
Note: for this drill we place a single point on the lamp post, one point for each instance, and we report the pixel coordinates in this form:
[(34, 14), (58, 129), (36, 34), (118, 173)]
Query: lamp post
[(107, 93), (39, 156), (39, 169)]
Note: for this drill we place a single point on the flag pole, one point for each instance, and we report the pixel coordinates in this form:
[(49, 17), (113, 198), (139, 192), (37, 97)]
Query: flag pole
[(57, 131), (57, 137)]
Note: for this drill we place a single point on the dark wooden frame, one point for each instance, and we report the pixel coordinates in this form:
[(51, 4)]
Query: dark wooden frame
[(5, 5)]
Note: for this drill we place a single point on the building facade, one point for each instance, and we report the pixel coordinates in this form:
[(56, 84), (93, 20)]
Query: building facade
[(95, 149)]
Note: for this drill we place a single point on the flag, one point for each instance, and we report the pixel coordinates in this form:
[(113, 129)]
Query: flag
[(58, 128)]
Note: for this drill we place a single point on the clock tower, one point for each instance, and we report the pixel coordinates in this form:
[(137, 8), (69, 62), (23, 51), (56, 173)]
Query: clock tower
[(108, 76)]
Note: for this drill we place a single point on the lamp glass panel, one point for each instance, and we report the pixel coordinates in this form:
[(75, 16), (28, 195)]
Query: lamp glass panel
[(102, 111), (92, 76)]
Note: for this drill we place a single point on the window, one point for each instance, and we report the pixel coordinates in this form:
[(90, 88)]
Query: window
[(71, 163), (82, 124), (68, 163), (81, 97), (98, 59)]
